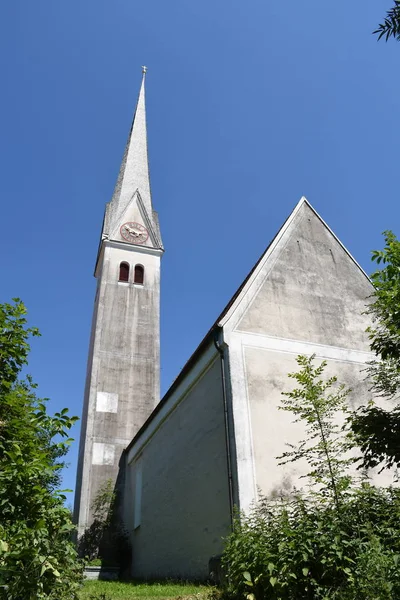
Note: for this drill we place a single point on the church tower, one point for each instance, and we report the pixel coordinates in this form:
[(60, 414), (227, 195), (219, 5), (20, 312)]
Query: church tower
[(123, 371)]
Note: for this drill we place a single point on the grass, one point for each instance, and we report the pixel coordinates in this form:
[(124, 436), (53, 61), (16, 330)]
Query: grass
[(118, 590)]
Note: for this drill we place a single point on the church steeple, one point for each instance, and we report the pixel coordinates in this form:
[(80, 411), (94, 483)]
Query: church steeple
[(133, 182), (123, 375)]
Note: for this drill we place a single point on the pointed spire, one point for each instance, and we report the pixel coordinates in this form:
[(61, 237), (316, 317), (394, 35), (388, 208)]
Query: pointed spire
[(134, 171)]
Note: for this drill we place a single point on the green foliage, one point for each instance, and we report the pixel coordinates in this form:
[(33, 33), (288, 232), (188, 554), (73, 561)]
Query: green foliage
[(385, 309), (339, 541), (377, 429), (377, 432), (391, 25), (37, 558), (95, 562), (315, 403), (299, 549)]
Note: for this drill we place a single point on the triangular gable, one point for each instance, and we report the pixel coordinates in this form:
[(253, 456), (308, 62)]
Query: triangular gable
[(236, 307), (305, 286), (136, 207)]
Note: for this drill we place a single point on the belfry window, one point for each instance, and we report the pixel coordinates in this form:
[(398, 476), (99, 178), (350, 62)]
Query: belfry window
[(139, 274), (124, 272)]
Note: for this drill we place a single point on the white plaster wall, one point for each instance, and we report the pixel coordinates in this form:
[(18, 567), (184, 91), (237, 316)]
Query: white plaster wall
[(310, 289), (184, 501), (306, 296), (272, 428)]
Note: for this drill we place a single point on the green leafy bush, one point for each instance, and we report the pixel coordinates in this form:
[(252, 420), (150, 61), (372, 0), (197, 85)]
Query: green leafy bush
[(341, 540), (37, 557), (301, 548), (376, 427)]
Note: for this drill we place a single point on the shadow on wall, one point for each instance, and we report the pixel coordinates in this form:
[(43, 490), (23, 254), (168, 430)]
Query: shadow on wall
[(285, 489), (105, 544)]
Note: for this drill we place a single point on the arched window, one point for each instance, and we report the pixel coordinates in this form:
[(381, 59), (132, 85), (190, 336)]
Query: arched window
[(124, 272), (139, 274)]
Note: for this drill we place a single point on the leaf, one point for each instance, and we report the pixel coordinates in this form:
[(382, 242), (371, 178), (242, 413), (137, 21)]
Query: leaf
[(305, 571), (273, 581), (247, 576)]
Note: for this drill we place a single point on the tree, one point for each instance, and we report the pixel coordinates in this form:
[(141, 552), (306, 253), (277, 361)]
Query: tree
[(315, 402), (338, 540), (37, 557), (377, 429), (391, 25)]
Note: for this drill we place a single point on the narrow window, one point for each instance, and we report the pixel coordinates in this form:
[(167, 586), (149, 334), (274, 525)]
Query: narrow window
[(124, 272), (139, 274)]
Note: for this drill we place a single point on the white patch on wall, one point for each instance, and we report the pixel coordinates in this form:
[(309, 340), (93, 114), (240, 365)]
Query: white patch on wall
[(106, 402), (137, 516), (103, 454)]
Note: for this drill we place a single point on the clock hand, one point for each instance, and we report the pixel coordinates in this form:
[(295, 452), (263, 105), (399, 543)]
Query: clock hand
[(133, 231)]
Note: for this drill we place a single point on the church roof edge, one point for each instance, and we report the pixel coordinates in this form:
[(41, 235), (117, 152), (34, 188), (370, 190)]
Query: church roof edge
[(218, 323), (304, 200)]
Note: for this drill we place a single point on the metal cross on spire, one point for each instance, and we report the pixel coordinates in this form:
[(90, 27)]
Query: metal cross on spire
[(144, 70)]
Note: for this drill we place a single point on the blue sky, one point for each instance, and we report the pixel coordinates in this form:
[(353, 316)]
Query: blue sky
[(250, 105)]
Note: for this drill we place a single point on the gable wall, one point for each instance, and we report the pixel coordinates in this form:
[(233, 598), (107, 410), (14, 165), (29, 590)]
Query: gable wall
[(313, 291), (184, 500), (307, 297), (272, 429), (135, 212)]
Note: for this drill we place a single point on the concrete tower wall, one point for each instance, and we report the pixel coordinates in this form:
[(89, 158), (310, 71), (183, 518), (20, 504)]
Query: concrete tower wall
[(123, 368), (122, 382)]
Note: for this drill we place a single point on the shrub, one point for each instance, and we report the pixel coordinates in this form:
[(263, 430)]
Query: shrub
[(341, 540), (300, 548), (37, 557)]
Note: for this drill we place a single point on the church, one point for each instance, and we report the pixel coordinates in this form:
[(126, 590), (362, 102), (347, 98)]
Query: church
[(182, 463)]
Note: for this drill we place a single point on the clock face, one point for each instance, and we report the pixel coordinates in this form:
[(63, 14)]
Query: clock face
[(135, 233)]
